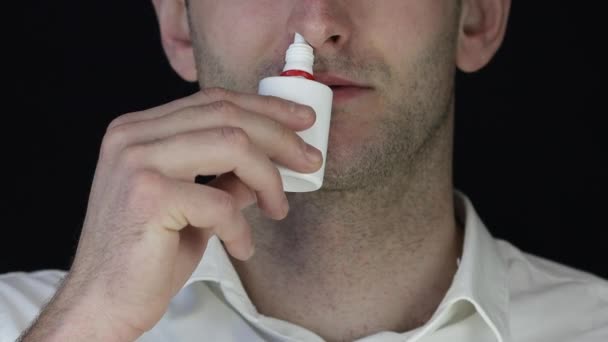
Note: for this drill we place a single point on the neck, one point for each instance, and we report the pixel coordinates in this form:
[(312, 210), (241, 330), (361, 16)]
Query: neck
[(347, 264)]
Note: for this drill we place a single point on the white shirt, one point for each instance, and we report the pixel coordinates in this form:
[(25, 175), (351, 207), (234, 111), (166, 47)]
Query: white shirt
[(498, 294)]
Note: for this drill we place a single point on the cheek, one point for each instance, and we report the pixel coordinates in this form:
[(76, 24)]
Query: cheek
[(407, 30), (239, 41)]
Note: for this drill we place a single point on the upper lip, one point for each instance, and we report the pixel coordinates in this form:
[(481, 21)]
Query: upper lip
[(331, 80)]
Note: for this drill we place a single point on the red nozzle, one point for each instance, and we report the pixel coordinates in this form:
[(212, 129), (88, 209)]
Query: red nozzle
[(300, 73)]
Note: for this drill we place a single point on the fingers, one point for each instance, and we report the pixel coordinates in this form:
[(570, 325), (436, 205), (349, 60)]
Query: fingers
[(213, 151), (204, 207), (276, 140), (214, 132), (231, 184), (287, 112)]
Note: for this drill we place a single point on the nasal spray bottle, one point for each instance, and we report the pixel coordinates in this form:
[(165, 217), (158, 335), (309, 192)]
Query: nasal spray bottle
[(297, 84)]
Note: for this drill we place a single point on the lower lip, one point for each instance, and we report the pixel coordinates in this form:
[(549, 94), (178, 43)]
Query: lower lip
[(348, 93)]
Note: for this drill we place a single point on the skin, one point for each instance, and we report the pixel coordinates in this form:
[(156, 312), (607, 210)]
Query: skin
[(375, 249)]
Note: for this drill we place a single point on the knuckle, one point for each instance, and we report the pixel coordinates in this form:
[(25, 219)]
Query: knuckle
[(114, 139), (132, 157), (222, 106), (229, 115), (225, 203), (272, 101), (235, 137), (289, 106), (280, 104), (116, 122), (121, 120)]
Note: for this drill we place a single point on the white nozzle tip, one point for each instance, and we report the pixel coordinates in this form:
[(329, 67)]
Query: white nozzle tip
[(299, 39)]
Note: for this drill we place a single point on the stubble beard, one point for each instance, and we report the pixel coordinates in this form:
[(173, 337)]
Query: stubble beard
[(416, 106)]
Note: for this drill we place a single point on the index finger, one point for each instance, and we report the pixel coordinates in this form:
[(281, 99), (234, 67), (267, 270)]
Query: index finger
[(275, 106)]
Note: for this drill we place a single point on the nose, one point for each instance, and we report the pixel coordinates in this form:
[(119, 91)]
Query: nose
[(325, 24)]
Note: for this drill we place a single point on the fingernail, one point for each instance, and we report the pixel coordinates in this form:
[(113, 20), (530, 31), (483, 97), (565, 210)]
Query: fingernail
[(305, 114), (251, 251), (285, 206), (293, 107), (313, 154)]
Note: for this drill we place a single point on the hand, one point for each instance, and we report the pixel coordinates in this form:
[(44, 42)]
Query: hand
[(147, 222)]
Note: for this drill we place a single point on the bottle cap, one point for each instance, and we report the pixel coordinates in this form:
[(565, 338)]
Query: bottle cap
[(299, 56)]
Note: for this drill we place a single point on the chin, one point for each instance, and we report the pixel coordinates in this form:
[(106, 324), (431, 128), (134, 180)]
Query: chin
[(339, 165), (346, 147)]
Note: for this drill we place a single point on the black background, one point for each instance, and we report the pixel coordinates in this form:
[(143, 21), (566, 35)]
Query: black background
[(529, 147)]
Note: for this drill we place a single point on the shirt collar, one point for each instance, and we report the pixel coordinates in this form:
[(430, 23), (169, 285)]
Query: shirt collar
[(480, 281)]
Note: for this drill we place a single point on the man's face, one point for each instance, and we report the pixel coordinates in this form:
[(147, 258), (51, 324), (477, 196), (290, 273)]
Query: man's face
[(404, 50)]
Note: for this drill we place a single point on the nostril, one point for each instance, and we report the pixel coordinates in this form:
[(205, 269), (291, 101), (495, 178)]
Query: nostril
[(334, 38)]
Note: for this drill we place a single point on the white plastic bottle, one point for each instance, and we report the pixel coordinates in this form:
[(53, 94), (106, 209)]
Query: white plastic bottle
[(297, 84)]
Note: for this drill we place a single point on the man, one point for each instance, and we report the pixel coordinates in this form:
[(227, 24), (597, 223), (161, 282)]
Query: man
[(387, 250)]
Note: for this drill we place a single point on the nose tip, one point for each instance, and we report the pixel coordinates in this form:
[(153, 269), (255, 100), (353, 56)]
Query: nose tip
[(322, 23), (322, 39)]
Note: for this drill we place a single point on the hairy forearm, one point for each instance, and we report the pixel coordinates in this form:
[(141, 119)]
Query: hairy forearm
[(72, 315)]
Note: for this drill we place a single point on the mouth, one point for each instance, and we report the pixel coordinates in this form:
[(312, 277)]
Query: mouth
[(335, 81), (340, 87), (343, 88)]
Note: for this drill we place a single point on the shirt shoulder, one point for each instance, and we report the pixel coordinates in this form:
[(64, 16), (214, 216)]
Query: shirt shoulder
[(22, 296), (550, 301)]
